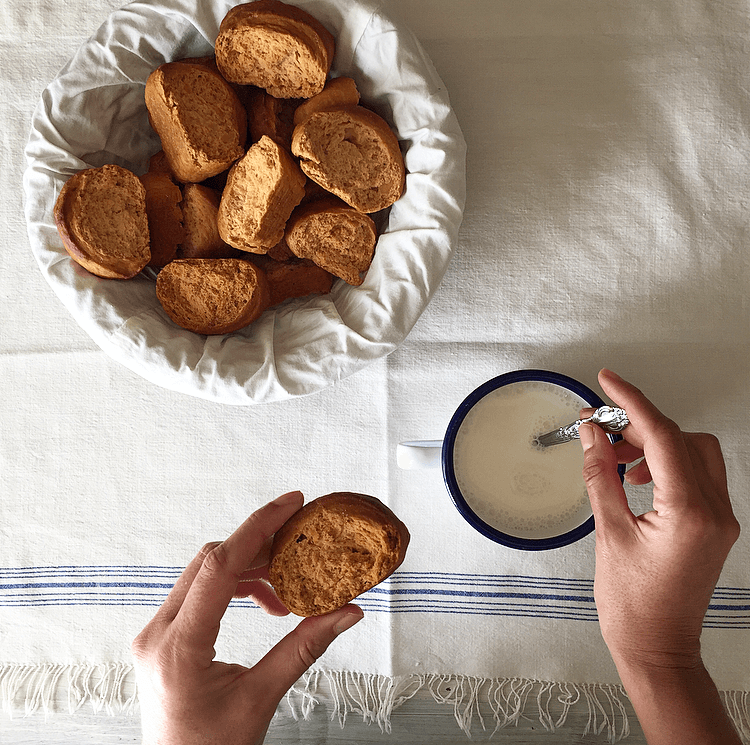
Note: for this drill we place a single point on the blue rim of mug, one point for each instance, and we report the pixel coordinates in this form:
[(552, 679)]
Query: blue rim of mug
[(517, 376)]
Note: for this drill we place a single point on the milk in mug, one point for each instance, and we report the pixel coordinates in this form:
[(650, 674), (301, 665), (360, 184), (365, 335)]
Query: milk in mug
[(511, 483)]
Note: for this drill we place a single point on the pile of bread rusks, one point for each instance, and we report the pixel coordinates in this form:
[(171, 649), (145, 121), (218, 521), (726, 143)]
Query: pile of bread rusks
[(264, 186)]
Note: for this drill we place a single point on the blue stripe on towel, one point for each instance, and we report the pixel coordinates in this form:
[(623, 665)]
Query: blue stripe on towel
[(455, 593)]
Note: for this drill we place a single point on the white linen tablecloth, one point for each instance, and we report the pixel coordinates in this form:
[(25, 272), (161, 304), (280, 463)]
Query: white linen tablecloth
[(606, 224)]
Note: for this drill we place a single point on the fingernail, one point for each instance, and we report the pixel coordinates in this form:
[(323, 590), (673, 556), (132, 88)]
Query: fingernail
[(587, 435), (346, 623), (286, 499)]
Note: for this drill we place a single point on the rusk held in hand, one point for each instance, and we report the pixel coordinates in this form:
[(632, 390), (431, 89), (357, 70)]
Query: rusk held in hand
[(100, 215), (334, 549)]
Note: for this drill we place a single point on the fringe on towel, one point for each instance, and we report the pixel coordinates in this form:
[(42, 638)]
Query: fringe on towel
[(30, 689), (476, 702), (482, 703)]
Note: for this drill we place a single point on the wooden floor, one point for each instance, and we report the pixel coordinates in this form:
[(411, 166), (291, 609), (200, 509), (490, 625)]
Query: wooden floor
[(417, 722)]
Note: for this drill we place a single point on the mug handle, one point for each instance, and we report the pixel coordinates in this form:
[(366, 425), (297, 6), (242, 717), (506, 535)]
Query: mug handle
[(416, 454)]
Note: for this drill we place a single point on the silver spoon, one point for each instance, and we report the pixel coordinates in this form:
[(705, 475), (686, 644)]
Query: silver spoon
[(609, 418)]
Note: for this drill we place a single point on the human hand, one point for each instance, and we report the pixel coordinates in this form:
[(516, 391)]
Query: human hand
[(186, 697), (656, 572)]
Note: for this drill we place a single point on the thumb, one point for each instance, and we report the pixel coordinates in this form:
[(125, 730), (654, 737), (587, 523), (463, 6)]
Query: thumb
[(285, 663), (606, 494)]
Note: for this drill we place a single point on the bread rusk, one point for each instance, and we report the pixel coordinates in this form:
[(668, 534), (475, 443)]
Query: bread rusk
[(293, 279), (212, 296), (200, 120), (267, 115), (100, 215), (277, 47), (332, 550), (354, 154), (262, 189), (165, 226), (337, 92), (200, 211), (158, 163), (336, 237), (280, 252), (208, 61)]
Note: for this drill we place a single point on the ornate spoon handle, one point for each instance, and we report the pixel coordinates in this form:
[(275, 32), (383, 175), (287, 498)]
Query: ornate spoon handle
[(609, 418)]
